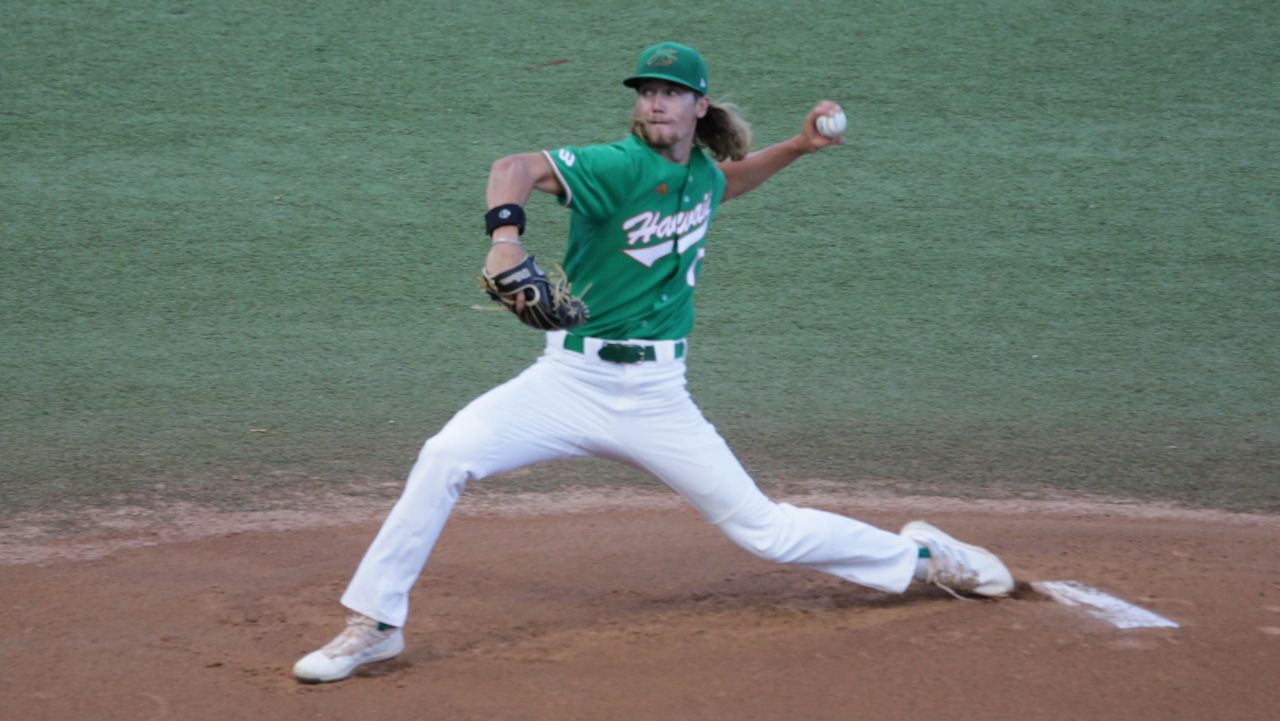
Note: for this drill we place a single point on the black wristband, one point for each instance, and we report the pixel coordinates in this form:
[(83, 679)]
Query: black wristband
[(508, 214)]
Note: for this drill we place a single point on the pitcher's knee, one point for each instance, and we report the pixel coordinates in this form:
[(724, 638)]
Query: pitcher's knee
[(762, 534), (457, 446), (440, 451), (442, 462)]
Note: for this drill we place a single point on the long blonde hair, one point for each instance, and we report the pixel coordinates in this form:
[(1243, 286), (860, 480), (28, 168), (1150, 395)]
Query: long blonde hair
[(723, 131)]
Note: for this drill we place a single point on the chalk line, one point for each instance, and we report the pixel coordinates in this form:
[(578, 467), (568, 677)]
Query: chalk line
[(1104, 606)]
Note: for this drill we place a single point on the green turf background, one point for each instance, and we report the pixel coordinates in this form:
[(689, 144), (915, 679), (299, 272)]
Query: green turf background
[(239, 240)]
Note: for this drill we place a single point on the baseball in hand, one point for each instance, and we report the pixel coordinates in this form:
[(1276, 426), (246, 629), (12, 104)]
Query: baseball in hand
[(832, 125)]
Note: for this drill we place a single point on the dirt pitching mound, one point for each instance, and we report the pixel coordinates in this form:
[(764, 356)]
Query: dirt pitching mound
[(584, 606)]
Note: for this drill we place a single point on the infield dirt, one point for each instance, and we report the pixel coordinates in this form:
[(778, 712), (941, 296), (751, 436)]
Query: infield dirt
[(628, 606)]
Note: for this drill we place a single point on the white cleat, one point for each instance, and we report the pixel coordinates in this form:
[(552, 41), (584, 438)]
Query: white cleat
[(956, 566), (360, 643)]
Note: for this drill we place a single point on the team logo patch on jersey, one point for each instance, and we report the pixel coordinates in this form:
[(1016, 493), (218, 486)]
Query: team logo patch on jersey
[(662, 189)]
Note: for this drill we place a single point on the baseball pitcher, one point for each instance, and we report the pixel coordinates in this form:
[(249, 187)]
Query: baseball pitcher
[(617, 328)]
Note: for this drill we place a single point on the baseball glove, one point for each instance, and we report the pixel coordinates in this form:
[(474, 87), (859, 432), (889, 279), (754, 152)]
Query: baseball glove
[(548, 303)]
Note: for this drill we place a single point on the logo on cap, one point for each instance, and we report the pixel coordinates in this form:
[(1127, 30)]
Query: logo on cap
[(663, 58)]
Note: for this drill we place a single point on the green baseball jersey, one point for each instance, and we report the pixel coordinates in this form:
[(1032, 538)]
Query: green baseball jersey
[(637, 236)]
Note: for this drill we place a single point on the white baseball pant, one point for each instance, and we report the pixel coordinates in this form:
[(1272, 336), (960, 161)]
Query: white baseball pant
[(639, 414)]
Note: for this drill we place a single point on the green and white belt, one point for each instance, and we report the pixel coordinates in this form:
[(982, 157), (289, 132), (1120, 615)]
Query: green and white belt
[(618, 351)]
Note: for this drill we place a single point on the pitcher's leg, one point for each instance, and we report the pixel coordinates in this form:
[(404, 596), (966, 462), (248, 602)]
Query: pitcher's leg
[(842, 546), (692, 458), (484, 438), (391, 565)]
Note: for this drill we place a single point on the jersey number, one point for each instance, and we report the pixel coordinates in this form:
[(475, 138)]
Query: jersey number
[(692, 275)]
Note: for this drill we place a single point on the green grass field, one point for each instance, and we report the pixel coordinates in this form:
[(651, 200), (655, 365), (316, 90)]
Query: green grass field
[(239, 240)]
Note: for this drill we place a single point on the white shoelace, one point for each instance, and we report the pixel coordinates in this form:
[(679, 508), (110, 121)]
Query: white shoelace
[(950, 571), (361, 633)]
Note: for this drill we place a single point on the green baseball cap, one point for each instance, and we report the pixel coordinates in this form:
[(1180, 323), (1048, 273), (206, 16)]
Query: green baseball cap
[(672, 62)]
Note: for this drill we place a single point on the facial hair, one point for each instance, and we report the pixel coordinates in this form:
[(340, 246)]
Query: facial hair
[(641, 128)]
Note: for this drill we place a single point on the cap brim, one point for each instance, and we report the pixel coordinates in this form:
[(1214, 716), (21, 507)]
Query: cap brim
[(635, 80)]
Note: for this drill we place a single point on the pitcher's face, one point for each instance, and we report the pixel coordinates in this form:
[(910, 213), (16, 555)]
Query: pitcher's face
[(668, 113)]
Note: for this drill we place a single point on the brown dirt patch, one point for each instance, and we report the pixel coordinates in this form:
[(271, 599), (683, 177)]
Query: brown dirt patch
[(581, 606)]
